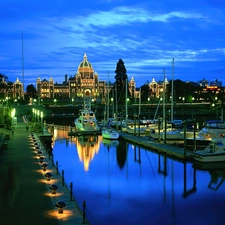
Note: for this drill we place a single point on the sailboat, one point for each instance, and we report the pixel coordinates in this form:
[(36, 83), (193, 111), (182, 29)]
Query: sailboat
[(131, 126), (108, 132), (167, 134)]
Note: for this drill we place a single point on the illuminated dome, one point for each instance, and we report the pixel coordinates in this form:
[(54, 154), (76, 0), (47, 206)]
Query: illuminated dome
[(85, 66)]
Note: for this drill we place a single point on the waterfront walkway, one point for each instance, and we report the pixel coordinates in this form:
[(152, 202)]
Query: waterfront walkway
[(25, 195)]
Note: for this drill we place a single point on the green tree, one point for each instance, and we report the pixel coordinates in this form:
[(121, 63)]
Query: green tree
[(145, 92), (31, 92), (120, 84)]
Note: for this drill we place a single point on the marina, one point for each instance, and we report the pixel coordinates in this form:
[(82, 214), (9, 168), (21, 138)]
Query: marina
[(123, 182)]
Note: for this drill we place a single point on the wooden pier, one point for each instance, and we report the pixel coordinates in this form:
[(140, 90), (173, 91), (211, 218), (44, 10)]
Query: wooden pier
[(164, 149)]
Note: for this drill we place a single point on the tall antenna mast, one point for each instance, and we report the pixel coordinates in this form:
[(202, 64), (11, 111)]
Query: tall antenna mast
[(164, 99), (126, 104), (172, 94), (108, 99), (22, 67)]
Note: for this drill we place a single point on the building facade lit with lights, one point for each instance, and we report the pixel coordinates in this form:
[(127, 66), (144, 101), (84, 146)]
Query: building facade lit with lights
[(84, 82), (11, 90)]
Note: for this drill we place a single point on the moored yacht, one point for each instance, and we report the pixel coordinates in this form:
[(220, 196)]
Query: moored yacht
[(214, 152), (203, 139), (110, 134), (86, 122), (215, 126), (169, 135)]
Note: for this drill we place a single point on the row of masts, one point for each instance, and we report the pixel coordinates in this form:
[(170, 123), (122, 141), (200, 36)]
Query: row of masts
[(126, 99)]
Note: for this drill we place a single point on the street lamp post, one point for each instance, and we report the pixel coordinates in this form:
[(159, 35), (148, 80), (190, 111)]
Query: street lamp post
[(213, 106), (38, 114), (55, 101), (192, 99), (112, 107), (41, 117), (149, 106), (35, 115), (183, 98), (6, 100)]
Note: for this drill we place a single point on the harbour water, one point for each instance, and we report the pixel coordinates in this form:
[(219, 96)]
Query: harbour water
[(123, 184)]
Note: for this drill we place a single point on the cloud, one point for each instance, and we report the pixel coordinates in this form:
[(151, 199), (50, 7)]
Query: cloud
[(120, 16), (146, 35)]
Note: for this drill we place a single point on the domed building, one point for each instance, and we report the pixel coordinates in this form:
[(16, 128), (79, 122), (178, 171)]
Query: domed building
[(85, 83)]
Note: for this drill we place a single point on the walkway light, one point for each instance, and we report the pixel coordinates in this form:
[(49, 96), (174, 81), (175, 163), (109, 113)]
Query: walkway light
[(41, 158), (39, 153), (44, 166), (48, 176), (53, 187), (60, 205)]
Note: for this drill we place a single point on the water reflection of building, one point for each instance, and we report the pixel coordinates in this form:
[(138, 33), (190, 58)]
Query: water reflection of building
[(59, 133), (87, 148)]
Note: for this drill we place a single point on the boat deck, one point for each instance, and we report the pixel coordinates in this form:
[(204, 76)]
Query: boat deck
[(79, 133)]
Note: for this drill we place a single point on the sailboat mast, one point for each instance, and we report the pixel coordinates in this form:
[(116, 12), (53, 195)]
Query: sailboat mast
[(116, 108), (108, 99), (172, 88), (164, 97), (139, 113), (22, 67), (113, 102), (126, 104)]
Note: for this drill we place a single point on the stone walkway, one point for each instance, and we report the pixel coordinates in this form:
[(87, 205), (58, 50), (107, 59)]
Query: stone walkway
[(25, 194)]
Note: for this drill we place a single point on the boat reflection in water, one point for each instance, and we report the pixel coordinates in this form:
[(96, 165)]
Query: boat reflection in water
[(217, 179), (125, 184), (110, 143)]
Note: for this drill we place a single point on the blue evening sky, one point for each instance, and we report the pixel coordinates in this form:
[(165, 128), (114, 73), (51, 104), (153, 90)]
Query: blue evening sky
[(146, 35)]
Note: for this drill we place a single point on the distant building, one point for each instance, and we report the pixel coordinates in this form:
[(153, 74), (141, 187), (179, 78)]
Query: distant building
[(84, 82), (203, 83), (11, 90), (157, 88), (216, 83)]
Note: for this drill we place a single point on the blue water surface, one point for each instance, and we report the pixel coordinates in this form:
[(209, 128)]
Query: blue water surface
[(123, 184)]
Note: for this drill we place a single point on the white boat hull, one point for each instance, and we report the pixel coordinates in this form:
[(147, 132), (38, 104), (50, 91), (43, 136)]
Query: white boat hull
[(169, 135), (215, 157), (110, 134)]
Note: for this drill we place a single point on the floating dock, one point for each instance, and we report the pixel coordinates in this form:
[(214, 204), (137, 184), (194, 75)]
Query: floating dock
[(162, 148)]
